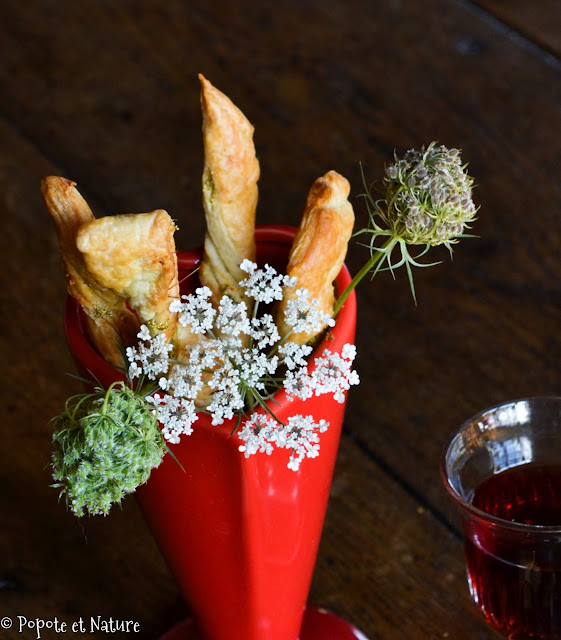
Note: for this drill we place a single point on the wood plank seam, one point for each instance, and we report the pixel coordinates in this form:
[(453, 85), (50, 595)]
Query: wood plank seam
[(394, 476), (518, 37)]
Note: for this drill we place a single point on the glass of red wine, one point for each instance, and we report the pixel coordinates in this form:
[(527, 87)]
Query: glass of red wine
[(503, 469)]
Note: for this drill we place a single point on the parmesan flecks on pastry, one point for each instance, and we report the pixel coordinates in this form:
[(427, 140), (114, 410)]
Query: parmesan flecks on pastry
[(319, 248), (133, 255), (230, 175), (110, 322)]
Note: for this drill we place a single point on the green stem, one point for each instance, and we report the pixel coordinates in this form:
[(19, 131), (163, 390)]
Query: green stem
[(108, 394), (266, 407), (255, 307), (374, 258), (280, 343), (250, 400)]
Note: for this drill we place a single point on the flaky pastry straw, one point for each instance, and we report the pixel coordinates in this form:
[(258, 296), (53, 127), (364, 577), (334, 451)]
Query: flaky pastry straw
[(110, 322), (230, 175), (134, 256), (319, 248)]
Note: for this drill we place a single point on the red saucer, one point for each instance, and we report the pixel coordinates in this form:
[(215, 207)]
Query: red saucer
[(318, 624)]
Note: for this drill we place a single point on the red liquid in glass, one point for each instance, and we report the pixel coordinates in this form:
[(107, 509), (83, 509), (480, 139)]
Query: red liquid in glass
[(515, 577)]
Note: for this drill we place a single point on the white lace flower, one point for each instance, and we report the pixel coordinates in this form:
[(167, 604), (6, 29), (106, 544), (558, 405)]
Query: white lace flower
[(256, 435), (303, 439), (261, 433), (134, 370), (254, 366), (227, 398), (206, 354), (229, 371), (303, 314), (298, 384), (348, 352), (224, 405), (232, 318), (334, 374), (264, 331), (150, 357), (195, 310), (144, 333), (185, 381), (176, 415), (295, 355), (264, 285)]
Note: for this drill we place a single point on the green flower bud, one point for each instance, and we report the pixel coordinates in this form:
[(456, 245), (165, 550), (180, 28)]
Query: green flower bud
[(429, 196), (106, 445)]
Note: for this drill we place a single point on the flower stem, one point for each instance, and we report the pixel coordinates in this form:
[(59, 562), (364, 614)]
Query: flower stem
[(374, 258)]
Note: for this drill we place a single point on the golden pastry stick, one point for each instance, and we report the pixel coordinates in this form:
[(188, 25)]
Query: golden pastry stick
[(230, 175), (319, 248), (133, 255), (111, 324)]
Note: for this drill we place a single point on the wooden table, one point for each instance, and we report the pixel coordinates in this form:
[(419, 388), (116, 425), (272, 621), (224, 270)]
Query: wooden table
[(106, 93)]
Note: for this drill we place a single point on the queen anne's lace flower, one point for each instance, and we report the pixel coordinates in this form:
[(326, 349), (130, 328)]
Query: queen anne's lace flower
[(303, 314), (298, 384), (176, 415), (195, 311), (206, 354), (300, 435), (232, 318), (333, 373), (226, 402), (264, 332), (254, 366), (184, 381), (256, 435), (264, 285), (295, 355), (430, 195), (150, 357), (231, 365)]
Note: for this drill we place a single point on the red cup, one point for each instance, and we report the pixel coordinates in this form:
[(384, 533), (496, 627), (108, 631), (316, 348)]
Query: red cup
[(503, 470)]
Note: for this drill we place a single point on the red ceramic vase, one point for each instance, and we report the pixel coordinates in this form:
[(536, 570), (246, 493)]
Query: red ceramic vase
[(240, 534)]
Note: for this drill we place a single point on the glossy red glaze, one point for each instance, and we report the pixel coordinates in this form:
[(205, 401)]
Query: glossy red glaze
[(317, 624), (240, 534)]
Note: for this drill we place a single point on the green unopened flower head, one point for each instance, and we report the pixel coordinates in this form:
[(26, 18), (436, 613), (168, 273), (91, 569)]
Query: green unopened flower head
[(106, 445), (428, 196)]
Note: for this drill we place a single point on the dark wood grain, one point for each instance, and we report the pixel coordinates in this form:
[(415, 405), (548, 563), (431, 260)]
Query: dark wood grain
[(394, 548), (106, 93), (539, 23)]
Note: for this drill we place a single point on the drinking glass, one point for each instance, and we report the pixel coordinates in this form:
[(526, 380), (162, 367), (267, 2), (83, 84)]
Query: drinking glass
[(503, 469)]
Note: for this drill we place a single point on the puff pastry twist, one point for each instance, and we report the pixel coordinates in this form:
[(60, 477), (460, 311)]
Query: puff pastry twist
[(230, 175), (319, 248), (134, 256), (110, 322)]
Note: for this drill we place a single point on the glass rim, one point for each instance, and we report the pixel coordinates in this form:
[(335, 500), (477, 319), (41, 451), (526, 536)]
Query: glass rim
[(467, 506)]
